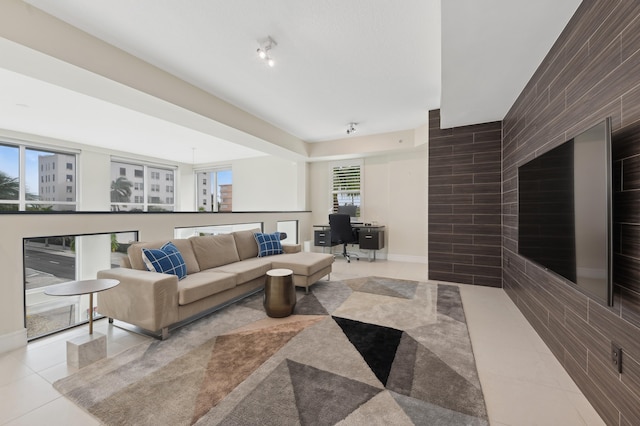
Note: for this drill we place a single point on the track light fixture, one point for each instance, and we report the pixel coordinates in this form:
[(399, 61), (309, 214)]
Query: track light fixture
[(351, 128), (266, 44)]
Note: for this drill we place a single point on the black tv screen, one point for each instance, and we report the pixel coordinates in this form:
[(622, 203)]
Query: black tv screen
[(564, 211)]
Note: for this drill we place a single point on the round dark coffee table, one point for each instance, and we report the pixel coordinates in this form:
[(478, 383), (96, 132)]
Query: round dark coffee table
[(279, 293)]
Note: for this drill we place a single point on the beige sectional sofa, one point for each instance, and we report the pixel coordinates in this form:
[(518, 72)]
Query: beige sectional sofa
[(221, 269)]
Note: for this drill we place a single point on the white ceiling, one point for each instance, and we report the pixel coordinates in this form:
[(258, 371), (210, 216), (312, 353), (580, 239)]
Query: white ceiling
[(491, 48), (374, 62), (33, 106)]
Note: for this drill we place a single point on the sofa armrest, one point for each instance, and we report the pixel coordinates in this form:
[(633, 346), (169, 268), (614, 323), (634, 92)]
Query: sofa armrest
[(146, 299), (291, 248)]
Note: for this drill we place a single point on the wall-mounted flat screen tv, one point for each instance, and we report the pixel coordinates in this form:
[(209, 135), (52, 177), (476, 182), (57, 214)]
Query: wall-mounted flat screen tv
[(564, 211)]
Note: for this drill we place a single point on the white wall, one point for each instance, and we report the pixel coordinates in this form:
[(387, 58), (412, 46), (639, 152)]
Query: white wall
[(394, 195), (396, 187), (268, 184), (186, 199), (94, 169)]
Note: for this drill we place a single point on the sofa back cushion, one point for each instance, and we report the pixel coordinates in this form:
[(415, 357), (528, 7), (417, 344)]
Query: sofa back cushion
[(125, 262), (183, 245), (214, 250), (246, 243)]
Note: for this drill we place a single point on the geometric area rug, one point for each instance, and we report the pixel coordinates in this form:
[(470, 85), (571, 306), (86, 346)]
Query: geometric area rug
[(355, 352)]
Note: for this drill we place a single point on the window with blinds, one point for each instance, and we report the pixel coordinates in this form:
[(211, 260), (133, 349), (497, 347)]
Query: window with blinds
[(346, 184)]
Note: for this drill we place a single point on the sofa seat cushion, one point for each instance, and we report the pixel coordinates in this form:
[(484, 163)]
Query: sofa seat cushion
[(203, 284), (247, 270), (303, 263)]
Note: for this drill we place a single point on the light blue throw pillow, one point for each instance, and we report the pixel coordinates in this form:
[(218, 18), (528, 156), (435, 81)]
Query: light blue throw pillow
[(268, 244), (167, 260)]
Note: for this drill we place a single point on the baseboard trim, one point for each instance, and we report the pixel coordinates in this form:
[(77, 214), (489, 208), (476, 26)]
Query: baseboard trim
[(12, 341), (407, 258), (382, 255)]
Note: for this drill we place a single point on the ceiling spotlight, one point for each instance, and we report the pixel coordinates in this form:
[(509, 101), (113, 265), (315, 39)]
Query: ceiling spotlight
[(351, 128), (266, 44)]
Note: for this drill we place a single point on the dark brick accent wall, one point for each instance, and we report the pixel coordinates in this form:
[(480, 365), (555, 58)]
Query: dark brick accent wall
[(592, 72), (465, 203)]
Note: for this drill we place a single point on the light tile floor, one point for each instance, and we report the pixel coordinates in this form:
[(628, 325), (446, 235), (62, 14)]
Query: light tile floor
[(522, 382)]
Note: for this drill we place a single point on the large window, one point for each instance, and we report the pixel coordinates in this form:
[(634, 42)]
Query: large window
[(136, 187), (36, 179), (188, 232), (346, 185), (215, 190), (52, 260)]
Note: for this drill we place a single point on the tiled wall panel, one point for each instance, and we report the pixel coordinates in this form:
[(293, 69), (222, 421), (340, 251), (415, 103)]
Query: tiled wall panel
[(592, 72), (465, 203)]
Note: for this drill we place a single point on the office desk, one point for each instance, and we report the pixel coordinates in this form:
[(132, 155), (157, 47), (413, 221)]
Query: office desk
[(370, 237)]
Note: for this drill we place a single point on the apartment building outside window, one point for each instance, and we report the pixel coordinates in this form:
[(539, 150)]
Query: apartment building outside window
[(28, 179), (138, 193), (215, 189)]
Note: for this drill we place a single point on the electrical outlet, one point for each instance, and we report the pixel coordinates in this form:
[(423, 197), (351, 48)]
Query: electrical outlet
[(616, 357)]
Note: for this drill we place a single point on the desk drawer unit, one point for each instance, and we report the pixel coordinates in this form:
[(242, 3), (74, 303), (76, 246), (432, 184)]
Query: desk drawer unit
[(322, 238), (371, 240)]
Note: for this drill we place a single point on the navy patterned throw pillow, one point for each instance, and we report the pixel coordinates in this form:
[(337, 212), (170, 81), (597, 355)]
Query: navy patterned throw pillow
[(166, 259), (268, 244)]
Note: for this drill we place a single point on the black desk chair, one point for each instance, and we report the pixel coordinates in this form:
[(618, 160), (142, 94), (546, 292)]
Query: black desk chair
[(342, 233)]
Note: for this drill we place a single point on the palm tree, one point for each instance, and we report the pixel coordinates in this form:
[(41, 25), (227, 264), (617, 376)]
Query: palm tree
[(9, 187), (9, 190), (121, 191)]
